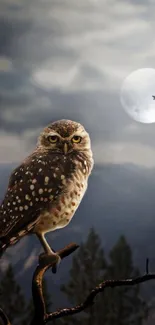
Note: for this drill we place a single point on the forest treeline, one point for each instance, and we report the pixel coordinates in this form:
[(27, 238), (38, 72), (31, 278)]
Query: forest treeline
[(90, 266)]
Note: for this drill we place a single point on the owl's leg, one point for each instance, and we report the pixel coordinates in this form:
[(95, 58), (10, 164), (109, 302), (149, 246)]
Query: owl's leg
[(49, 255), (44, 243)]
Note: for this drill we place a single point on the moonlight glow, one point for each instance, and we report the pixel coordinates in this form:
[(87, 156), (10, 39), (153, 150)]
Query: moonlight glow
[(137, 94)]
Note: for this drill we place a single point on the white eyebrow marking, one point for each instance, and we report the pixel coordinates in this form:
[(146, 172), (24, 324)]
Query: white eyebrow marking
[(51, 133), (78, 133)]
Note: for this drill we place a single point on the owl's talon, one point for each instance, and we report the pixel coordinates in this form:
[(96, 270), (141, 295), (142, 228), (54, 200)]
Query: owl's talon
[(56, 266), (41, 256), (46, 259)]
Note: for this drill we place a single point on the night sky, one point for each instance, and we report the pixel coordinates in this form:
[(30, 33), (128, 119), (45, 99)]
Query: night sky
[(68, 59)]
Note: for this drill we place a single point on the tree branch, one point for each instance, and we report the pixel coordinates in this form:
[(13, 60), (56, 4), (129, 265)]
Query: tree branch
[(100, 288), (4, 318), (41, 317)]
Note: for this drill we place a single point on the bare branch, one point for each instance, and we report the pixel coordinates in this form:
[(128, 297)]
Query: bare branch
[(4, 318), (37, 291), (100, 288), (41, 317)]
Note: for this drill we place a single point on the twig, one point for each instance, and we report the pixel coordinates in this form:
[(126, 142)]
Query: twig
[(100, 288), (4, 317)]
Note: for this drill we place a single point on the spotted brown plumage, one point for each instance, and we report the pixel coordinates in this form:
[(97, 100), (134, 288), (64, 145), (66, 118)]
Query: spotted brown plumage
[(46, 189)]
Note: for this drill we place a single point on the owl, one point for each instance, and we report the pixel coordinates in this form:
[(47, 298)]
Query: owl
[(46, 189)]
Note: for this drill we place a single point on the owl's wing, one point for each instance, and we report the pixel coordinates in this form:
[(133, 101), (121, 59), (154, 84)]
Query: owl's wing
[(32, 187)]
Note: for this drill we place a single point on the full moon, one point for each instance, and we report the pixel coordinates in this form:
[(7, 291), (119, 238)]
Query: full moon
[(138, 95)]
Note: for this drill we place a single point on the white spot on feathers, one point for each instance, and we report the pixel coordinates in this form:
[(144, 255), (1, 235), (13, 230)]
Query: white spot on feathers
[(46, 179)]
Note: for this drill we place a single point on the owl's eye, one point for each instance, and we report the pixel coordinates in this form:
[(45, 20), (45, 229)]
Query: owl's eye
[(76, 139), (53, 138)]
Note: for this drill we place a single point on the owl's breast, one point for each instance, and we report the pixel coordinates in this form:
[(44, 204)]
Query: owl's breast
[(60, 213)]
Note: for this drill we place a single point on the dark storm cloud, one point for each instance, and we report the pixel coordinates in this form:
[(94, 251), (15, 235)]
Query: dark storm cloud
[(24, 34), (87, 107), (12, 82), (68, 60), (10, 32)]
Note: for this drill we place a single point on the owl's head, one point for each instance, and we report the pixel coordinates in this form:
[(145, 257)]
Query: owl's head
[(65, 136)]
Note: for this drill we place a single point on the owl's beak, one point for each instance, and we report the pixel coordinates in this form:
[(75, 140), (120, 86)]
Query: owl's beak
[(65, 148)]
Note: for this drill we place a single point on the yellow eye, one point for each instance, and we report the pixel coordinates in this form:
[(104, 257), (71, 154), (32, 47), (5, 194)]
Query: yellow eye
[(76, 139), (53, 138)]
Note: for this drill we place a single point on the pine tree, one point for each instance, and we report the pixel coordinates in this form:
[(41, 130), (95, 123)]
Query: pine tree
[(125, 306), (11, 296), (117, 306), (87, 270)]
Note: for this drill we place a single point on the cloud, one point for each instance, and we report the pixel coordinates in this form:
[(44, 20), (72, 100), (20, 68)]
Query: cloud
[(96, 35), (122, 152), (68, 60), (5, 64), (59, 37), (14, 148), (57, 49)]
